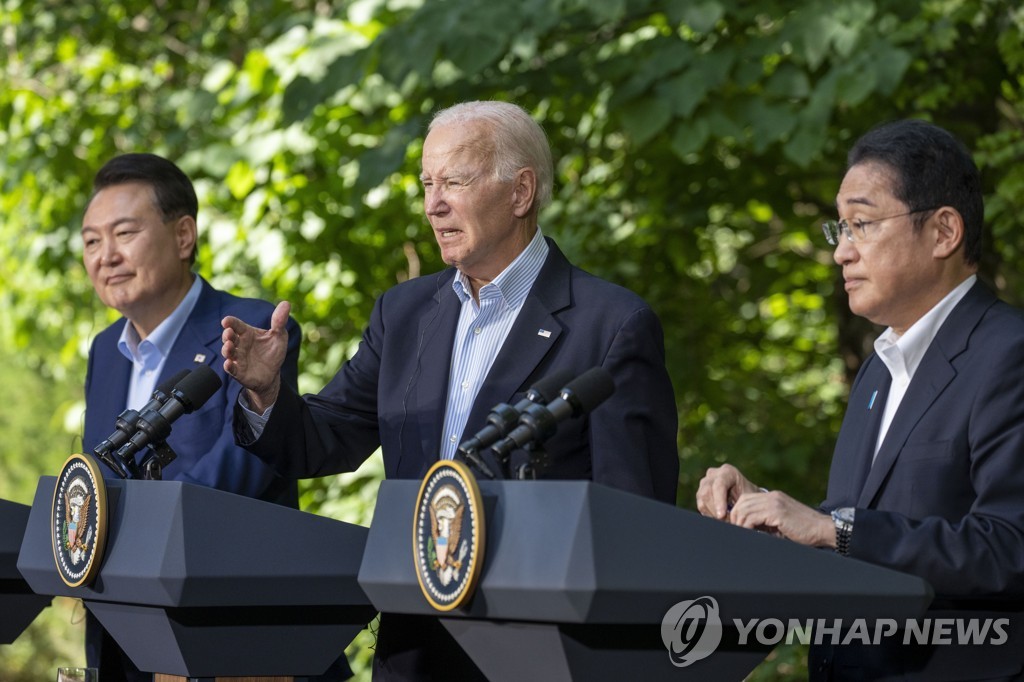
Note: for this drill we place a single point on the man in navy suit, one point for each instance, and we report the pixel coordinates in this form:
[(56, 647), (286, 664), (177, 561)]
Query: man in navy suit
[(139, 237), (928, 472), (441, 350)]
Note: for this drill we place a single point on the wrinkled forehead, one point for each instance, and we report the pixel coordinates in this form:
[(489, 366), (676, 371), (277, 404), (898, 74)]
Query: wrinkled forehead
[(457, 148)]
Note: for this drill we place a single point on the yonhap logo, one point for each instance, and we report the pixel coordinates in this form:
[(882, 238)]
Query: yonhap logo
[(691, 630)]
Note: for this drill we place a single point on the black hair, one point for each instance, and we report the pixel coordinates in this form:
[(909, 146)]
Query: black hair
[(175, 195), (931, 168)]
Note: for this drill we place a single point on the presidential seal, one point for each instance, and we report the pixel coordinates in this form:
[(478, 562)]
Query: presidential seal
[(78, 520), (448, 535)]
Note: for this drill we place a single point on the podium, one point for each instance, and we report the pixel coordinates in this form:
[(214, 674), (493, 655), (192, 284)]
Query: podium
[(198, 582), (18, 604), (577, 579)]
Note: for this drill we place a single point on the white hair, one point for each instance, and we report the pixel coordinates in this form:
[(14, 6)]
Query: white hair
[(518, 141)]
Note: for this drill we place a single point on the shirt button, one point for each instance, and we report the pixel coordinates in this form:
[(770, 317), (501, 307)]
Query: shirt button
[(451, 439), (465, 385), (477, 331)]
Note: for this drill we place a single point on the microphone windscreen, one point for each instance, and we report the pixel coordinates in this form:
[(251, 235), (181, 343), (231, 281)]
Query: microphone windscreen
[(547, 389), (591, 388), (197, 387), (165, 388)]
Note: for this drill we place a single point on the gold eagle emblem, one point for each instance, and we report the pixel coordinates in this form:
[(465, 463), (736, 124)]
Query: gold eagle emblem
[(449, 548)]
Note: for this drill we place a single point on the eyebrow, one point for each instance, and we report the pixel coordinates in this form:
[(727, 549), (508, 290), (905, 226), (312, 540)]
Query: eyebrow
[(861, 201), (116, 223), (445, 175)]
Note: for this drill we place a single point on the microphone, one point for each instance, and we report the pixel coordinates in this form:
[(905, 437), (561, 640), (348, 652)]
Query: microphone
[(125, 426), (504, 417), (186, 397), (539, 422)]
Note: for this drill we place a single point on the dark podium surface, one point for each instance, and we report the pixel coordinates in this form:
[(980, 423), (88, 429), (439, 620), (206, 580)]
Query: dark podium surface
[(577, 578), (198, 582), (19, 606)]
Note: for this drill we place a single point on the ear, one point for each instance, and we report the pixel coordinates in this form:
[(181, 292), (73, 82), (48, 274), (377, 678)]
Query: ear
[(185, 235), (524, 192), (948, 226)]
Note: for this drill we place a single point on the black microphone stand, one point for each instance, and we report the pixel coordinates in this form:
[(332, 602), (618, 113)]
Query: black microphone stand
[(473, 458), (153, 466), (535, 463)]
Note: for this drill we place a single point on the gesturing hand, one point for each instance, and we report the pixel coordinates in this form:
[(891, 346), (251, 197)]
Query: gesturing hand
[(254, 356)]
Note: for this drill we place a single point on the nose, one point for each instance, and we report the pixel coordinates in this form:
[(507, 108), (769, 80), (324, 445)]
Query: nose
[(433, 202), (109, 254), (845, 252)]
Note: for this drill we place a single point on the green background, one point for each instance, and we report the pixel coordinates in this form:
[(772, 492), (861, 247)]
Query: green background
[(698, 147)]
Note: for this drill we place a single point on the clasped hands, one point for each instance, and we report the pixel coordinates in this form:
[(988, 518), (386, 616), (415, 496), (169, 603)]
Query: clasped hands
[(726, 494)]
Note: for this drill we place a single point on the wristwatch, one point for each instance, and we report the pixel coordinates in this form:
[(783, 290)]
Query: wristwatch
[(843, 518)]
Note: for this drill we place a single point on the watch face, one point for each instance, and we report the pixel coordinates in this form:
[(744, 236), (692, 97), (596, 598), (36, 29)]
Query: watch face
[(844, 514)]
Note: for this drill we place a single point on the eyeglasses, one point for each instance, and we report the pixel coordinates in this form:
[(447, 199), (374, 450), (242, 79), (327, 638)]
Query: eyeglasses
[(855, 231)]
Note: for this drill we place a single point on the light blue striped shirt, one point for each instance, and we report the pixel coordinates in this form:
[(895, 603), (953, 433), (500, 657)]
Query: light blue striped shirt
[(483, 328), (149, 355)]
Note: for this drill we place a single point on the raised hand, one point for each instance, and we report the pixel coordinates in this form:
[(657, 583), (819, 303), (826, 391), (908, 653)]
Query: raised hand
[(254, 356)]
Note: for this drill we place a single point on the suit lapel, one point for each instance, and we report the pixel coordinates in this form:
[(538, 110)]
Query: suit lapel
[(882, 382), (109, 392), (932, 377), (433, 362), (533, 334), (855, 445), (198, 343)]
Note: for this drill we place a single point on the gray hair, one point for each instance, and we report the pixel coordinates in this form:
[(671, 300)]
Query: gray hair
[(517, 140)]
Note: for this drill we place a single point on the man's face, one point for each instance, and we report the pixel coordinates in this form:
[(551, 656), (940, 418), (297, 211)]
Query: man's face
[(890, 275), (138, 263), (471, 212)]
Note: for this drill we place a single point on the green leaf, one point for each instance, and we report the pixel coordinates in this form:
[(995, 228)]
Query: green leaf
[(816, 40), (703, 16), (889, 65), (473, 53), (769, 123), (645, 118), (684, 93), (690, 137), (240, 179), (606, 10), (788, 82)]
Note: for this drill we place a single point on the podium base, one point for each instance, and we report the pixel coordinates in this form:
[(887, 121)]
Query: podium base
[(563, 652), (160, 677)]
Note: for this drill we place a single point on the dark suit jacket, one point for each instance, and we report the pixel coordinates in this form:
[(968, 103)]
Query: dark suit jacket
[(944, 499), (203, 440), (392, 393)]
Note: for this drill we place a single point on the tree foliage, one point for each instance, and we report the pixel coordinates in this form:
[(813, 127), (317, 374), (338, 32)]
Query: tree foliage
[(698, 145)]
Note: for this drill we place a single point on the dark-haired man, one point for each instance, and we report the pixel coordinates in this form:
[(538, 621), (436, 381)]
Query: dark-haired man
[(928, 472), (139, 238)]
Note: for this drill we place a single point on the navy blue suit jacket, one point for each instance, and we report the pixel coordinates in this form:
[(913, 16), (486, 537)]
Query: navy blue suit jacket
[(203, 440), (944, 499), (393, 391)]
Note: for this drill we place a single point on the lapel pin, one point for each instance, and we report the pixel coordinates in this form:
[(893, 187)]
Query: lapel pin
[(199, 358), (544, 332), (871, 403)]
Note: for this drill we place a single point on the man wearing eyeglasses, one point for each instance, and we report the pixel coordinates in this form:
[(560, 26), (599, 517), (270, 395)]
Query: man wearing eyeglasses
[(928, 471)]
